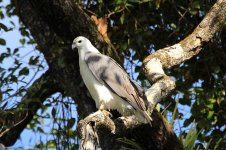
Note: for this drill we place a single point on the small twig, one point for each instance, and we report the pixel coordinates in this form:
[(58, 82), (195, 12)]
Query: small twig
[(114, 12), (89, 11)]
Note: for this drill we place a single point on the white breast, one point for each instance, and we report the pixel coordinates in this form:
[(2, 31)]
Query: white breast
[(101, 94)]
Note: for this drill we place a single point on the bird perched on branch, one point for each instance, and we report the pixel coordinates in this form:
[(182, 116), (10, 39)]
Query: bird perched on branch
[(108, 83)]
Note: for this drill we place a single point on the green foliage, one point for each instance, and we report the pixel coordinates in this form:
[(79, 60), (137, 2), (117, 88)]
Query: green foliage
[(191, 137), (57, 115), (132, 145)]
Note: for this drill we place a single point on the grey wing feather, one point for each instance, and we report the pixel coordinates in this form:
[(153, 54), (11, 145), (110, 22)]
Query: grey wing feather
[(110, 73)]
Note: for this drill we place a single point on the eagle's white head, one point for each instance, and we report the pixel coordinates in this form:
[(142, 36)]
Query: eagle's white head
[(83, 44), (80, 42)]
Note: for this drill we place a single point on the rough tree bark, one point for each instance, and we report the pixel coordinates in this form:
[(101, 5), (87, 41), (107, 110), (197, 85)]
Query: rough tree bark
[(54, 24)]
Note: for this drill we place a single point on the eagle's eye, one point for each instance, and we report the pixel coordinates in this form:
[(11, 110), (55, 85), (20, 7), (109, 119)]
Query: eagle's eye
[(80, 41)]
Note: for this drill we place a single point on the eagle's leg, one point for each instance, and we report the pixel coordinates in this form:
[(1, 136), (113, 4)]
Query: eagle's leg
[(101, 108)]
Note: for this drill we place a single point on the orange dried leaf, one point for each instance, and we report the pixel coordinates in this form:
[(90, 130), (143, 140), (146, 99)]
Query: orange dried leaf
[(94, 18), (101, 25)]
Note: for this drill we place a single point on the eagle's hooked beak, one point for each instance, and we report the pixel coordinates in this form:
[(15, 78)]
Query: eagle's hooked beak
[(73, 45)]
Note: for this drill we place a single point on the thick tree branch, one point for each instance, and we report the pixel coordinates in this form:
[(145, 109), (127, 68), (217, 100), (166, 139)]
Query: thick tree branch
[(13, 121), (100, 122), (184, 50), (88, 127)]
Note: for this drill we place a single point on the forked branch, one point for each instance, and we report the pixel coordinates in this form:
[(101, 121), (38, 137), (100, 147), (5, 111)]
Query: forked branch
[(180, 52)]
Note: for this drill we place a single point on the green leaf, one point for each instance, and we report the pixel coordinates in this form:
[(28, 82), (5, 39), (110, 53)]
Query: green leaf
[(40, 130), (191, 137), (1, 14), (208, 144), (22, 41), (174, 115), (33, 61), (196, 5), (53, 112), (54, 131), (100, 1), (122, 18), (187, 122), (1, 69), (24, 32), (4, 106), (173, 25), (12, 23), (210, 106), (15, 50), (218, 143), (71, 122), (157, 3), (2, 41), (133, 1), (2, 26), (1, 97), (14, 79), (193, 12), (31, 41), (210, 114), (8, 90), (119, 2), (8, 50), (24, 71), (3, 56), (130, 142)]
